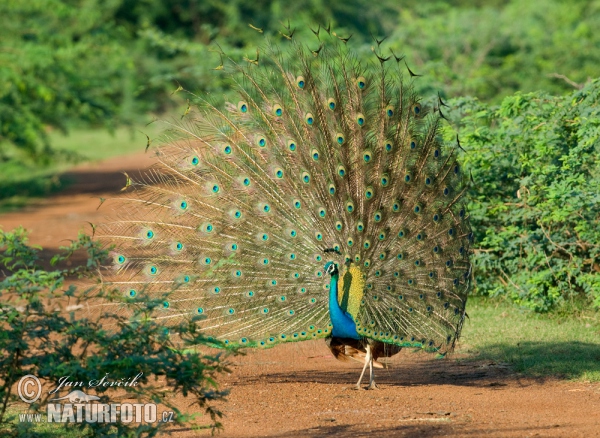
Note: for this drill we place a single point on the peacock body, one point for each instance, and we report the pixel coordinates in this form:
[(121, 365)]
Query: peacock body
[(324, 204)]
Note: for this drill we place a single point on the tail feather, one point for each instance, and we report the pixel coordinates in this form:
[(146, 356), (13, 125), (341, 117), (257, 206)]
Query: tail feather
[(319, 152)]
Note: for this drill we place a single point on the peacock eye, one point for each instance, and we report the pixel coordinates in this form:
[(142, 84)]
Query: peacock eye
[(331, 104), (309, 119), (242, 107), (300, 82)]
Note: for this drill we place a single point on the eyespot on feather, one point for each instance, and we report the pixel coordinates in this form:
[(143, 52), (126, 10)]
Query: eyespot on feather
[(309, 119), (242, 106), (360, 119)]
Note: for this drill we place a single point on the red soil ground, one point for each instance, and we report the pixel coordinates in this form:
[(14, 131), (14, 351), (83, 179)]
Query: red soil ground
[(300, 390)]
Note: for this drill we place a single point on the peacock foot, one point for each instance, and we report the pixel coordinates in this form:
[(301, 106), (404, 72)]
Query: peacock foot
[(373, 385)]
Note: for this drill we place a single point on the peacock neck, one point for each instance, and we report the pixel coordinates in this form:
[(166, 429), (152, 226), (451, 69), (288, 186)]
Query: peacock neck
[(343, 325)]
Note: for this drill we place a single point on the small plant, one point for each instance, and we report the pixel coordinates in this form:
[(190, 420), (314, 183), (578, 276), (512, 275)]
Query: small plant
[(41, 335)]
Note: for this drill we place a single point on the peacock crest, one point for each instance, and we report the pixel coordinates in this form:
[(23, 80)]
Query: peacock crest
[(323, 158)]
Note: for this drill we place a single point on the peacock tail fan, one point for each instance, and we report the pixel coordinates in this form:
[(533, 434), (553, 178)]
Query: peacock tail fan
[(323, 158)]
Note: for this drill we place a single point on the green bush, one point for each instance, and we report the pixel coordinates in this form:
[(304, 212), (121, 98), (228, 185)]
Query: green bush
[(58, 62), (492, 49), (40, 335), (535, 162), (113, 62)]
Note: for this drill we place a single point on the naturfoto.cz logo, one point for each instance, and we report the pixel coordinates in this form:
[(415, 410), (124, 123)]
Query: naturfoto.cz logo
[(77, 406)]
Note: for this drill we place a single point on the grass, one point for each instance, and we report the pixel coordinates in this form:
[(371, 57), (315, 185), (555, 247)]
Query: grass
[(536, 345), (22, 180)]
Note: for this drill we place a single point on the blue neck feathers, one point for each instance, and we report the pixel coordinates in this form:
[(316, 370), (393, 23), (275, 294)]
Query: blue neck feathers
[(343, 324)]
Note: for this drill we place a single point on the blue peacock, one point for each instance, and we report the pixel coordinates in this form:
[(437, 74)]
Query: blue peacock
[(323, 204)]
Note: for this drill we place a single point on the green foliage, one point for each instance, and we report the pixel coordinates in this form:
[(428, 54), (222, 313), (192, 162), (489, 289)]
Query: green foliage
[(58, 61), (41, 335), (493, 49), (110, 62), (535, 161)]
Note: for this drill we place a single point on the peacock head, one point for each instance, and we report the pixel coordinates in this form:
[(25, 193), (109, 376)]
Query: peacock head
[(331, 268)]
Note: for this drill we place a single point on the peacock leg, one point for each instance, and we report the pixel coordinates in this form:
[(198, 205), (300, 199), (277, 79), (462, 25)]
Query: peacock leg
[(368, 359), (372, 384)]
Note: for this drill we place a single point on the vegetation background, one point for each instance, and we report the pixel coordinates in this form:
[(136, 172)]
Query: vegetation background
[(520, 73), (521, 78)]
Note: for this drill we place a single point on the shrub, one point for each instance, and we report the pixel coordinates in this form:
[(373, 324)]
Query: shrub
[(40, 336), (535, 162)]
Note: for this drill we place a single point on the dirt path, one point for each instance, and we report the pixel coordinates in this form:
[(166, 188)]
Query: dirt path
[(300, 390)]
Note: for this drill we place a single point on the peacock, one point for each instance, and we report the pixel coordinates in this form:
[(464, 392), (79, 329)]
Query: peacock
[(324, 203)]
